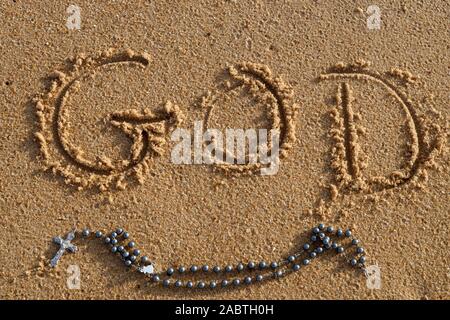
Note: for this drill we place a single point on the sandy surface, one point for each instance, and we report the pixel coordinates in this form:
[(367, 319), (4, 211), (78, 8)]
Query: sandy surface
[(358, 153)]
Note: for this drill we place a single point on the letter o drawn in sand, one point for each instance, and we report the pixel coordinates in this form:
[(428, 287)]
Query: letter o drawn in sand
[(145, 128), (271, 92), (346, 159)]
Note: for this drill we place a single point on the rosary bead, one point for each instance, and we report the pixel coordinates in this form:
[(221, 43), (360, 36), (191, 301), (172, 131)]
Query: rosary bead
[(216, 269), (190, 284), (181, 269), (353, 262), (119, 230), (240, 267), (355, 242), (113, 235), (321, 226), (296, 267), (306, 246), (166, 282), (131, 244), (128, 263), (85, 232), (98, 234), (340, 249), (178, 283), (228, 268), (259, 278), (330, 229), (339, 233), (274, 265), (360, 250), (224, 283), (201, 285), (120, 248), (126, 235), (194, 269), (155, 278), (170, 271), (236, 282), (107, 240), (205, 268), (212, 284), (136, 252), (313, 254), (248, 280), (113, 241), (291, 258), (306, 262), (251, 265), (145, 259), (348, 233)]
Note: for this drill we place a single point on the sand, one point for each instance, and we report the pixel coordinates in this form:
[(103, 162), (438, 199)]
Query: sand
[(87, 115)]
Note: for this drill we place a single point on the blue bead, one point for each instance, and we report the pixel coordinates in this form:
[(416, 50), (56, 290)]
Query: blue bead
[(201, 285), (194, 269), (127, 263), (125, 254), (131, 244), (126, 235), (166, 282), (120, 248), (326, 240), (236, 282), (319, 250), (339, 233), (170, 271), (114, 249), (334, 245), (85, 232), (240, 267), (330, 229), (136, 252), (113, 241), (306, 262), (296, 267), (321, 226), (251, 265), (348, 233), (229, 268), (306, 246), (181, 269), (340, 249), (98, 234), (259, 278), (205, 268), (321, 235), (224, 283), (145, 259), (316, 230), (353, 262), (291, 258), (212, 284), (362, 259), (113, 235), (216, 269), (155, 278), (279, 273), (119, 230), (262, 265), (248, 280), (355, 242), (313, 238), (360, 250), (274, 265), (189, 284), (178, 283), (107, 240), (313, 254), (133, 258)]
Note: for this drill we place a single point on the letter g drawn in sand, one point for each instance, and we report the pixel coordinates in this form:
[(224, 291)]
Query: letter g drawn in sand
[(145, 128)]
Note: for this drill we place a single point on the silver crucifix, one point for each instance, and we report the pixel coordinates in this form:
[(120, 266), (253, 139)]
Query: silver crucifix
[(64, 244)]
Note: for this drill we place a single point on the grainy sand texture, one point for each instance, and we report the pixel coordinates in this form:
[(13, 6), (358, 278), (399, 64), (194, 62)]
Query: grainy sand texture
[(87, 114)]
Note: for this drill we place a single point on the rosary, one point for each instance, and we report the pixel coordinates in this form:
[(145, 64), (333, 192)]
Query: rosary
[(322, 239)]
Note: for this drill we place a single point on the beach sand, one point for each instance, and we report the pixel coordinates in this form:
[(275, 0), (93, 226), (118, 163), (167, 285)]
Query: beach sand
[(366, 151)]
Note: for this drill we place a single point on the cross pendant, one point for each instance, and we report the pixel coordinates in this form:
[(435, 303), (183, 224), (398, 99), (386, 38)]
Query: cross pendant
[(64, 244)]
